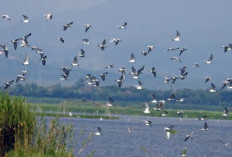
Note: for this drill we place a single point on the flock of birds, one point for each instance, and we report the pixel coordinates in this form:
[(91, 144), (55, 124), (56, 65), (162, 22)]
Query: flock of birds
[(134, 73)]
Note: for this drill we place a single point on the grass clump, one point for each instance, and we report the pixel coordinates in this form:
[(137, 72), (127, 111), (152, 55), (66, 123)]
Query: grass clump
[(22, 135)]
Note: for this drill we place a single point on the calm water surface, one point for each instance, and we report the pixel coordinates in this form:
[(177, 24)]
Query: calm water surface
[(145, 141)]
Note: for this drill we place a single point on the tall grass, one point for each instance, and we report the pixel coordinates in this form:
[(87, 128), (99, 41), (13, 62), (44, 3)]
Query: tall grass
[(22, 135)]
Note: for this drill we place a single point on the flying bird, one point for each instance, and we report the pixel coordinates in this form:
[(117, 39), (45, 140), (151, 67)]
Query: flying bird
[(43, 58), (176, 58), (227, 47), (139, 86), (103, 75), (153, 71), (85, 41), (102, 45), (75, 63), (98, 131), (61, 39), (8, 84), (115, 41), (66, 26), (132, 59), (48, 16), (87, 27), (206, 127), (5, 50), (123, 26), (177, 38), (189, 136), (6, 16), (207, 79), (82, 53), (146, 108), (25, 19), (15, 43), (26, 60), (210, 59), (147, 122), (212, 88), (110, 102), (150, 48)]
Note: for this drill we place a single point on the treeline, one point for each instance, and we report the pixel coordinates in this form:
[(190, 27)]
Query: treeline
[(130, 94)]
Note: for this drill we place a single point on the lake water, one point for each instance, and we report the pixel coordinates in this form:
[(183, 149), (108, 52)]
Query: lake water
[(150, 141)]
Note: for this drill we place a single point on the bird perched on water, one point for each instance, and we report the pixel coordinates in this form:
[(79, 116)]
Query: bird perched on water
[(6, 16), (226, 144), (25, 19), (66, 26), (177, 38), (184, 152), (98, 131), (210, 59), (87, 27), (123, 26), (8, 84), (102, 45), (48, 16)]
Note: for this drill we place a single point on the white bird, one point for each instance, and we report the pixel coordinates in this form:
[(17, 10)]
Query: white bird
[(227, 47), (66, 26), (154, 100), (82, 53), (153, 71), (20, 78), (132, 59), (123, 26), (111, 66), (210, 59), (102, 45), (25, 19), (139, 86), (26, 60), (196, 65), (115, 41), (6, 16), (212, 88), (177, 38), (87, 27), (206, 127), (48, 16), (226, 144), (85, 41), (61, 39), (75, 63), (176, 58), (110, 102), (150, 48), (147, 122), (189, 136), (146, 108), (98, 131), (225, 112), (168, 131)]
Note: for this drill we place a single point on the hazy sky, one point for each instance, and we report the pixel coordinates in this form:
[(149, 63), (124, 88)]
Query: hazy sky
[(204, 26)]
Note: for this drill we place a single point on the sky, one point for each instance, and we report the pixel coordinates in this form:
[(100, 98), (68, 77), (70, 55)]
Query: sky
[(205, 26)]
